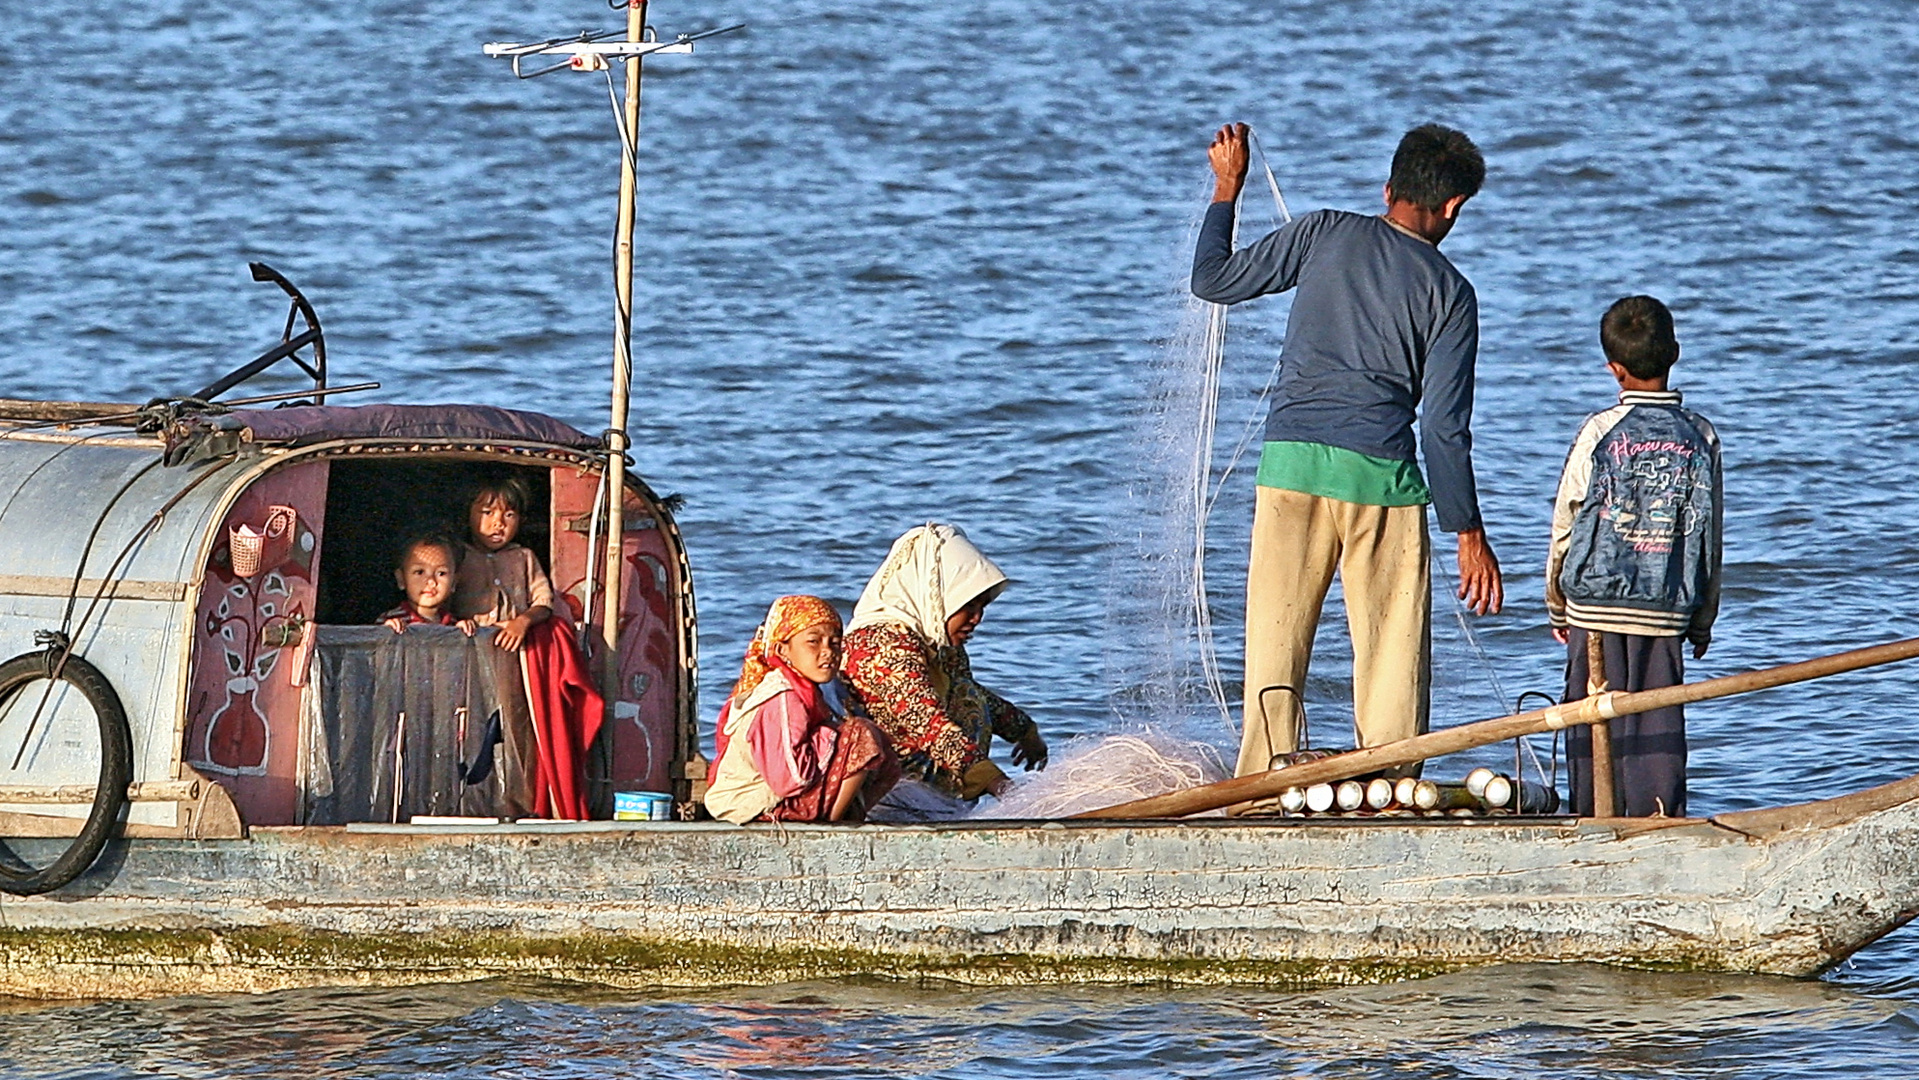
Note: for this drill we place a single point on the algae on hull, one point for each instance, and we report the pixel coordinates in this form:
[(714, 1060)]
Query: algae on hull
[(122, 963)]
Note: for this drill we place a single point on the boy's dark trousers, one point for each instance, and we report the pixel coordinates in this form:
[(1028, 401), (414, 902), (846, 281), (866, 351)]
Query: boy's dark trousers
[(1649, 748)]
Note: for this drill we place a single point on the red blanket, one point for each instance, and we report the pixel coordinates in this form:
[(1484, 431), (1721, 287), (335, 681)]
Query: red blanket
[(567, 710)]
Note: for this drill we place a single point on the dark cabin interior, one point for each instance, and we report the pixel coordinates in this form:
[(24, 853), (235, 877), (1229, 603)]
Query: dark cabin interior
[(374, 506)]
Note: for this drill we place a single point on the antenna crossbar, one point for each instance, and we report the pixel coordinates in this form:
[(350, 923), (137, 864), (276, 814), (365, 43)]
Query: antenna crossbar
[(586, 48), (591, 51)]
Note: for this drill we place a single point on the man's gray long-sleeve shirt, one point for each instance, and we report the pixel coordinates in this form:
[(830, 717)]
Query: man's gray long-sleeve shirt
[(1382, 323)]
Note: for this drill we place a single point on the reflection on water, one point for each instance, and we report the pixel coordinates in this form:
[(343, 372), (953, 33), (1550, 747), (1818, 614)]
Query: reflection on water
[(1533, 1020)]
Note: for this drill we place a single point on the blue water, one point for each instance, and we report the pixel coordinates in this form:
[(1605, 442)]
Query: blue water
[(900, 262)]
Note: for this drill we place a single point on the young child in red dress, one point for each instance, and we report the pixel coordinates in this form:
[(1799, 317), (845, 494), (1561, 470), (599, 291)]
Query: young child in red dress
[(501, 583)]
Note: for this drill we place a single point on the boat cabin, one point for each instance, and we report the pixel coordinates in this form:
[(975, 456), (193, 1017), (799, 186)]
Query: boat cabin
[(225, 575)]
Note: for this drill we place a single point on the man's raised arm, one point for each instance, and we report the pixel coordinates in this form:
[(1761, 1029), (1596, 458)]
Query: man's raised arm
[(1221, 275)]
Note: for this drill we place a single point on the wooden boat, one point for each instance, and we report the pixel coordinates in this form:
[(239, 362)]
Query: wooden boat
[(221, 879), (175, 578), (1788, 891), (128, 553)]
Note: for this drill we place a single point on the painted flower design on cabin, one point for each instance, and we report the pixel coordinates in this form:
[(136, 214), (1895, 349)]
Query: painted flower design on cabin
[(247, 627)]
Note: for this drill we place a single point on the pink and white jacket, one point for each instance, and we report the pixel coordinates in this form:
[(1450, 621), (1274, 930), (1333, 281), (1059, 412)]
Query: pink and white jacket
[(774, 745)]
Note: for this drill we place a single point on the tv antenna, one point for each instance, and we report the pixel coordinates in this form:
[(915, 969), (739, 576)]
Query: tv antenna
[(590, 51)]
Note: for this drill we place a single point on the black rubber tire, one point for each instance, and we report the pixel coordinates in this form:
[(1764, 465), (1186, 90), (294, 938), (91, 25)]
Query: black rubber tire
[(116, 768)]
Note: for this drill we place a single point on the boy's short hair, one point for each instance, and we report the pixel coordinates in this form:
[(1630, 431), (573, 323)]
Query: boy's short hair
[(1433, 164), (510, 490), (445, 544), (1637, 334)]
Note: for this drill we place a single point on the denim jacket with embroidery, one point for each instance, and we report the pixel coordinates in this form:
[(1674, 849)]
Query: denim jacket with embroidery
[(1637, 522)]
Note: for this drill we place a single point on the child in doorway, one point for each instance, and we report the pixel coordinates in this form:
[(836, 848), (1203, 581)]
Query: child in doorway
[(1635, 558), (501, 583), (789, 747), (550, 710), (426, 572)]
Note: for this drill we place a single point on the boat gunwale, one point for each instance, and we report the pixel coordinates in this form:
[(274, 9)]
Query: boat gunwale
[(1761, 824)]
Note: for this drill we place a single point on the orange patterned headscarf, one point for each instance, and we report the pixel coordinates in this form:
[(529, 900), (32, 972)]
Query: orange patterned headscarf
[(788, 616)]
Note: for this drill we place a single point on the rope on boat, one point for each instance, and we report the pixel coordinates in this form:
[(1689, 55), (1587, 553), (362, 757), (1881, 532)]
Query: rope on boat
[(630, 146), (1205, 490), (1520, 743)]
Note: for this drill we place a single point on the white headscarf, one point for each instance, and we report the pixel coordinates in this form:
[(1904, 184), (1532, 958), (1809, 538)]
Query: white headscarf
[(932, 572)]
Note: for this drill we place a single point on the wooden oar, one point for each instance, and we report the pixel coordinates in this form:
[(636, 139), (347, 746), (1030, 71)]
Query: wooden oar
[(1467, 736)]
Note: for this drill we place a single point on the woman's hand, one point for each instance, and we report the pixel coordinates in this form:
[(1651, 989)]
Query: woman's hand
[(512, 633), (983, 778), (1030, 750)]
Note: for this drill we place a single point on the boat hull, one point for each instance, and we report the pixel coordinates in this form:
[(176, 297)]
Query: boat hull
[(663, 904)]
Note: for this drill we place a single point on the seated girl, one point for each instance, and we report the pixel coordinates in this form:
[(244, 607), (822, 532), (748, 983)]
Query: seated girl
[(501, 583), (788, 748), (906, 655)]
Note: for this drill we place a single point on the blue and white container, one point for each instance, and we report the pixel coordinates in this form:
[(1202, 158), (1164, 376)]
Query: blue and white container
[(642, 806)]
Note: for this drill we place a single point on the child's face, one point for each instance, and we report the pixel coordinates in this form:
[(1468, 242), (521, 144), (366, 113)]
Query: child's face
[(427, 577), (814, 652), (493, 522)]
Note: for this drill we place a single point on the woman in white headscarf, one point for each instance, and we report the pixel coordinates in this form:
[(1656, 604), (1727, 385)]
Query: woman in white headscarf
[(906, 656)]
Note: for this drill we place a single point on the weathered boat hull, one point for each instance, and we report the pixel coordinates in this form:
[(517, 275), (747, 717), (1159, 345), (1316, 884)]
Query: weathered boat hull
[(1787, 891)]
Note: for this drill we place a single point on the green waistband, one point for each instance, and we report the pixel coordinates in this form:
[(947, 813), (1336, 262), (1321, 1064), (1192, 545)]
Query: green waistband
[(1338, 473)]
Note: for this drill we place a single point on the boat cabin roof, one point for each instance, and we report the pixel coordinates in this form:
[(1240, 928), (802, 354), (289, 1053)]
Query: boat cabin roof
[(84, 493)]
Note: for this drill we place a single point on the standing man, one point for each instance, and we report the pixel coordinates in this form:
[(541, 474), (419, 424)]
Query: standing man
[(1383, 328)]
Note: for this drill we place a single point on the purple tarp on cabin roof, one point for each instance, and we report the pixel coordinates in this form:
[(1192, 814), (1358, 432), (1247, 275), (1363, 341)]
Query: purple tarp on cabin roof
[(305, 424)]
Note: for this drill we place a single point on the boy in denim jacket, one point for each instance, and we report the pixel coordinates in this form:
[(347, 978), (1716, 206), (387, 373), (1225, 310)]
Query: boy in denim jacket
[(1635, 558)]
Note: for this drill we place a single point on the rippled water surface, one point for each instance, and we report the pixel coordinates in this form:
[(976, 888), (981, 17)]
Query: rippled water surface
[(902, 261)]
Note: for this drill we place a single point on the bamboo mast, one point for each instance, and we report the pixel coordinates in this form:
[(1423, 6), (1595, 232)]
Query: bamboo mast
[(616, 436), (1590, 710)]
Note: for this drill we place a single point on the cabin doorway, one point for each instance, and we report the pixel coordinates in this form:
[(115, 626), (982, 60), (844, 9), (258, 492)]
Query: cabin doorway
[(373, 507)]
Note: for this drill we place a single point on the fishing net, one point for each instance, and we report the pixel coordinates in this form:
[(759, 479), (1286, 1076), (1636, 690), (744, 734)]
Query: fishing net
[(1092, 773)]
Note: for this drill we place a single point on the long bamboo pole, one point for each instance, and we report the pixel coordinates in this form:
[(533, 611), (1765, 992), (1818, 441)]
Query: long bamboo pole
[(616, 437), (1467, 736), (1605, 796)]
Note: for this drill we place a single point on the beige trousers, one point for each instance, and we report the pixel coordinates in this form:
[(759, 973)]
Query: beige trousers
[(1382, 554)]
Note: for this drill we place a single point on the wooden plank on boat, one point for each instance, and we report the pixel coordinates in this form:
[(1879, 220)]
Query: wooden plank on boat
[(121, 589), (59, 411), (15, 825), (1586, 711), (150, 791), (206, 811)]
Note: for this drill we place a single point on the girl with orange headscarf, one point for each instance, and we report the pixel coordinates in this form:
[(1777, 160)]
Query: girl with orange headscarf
[(788, 749)]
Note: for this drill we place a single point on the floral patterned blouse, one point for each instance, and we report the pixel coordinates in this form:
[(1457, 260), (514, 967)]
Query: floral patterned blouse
[(940, 720)]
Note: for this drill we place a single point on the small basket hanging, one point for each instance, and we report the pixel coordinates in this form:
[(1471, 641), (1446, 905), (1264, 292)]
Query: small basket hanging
[(254, 549)]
